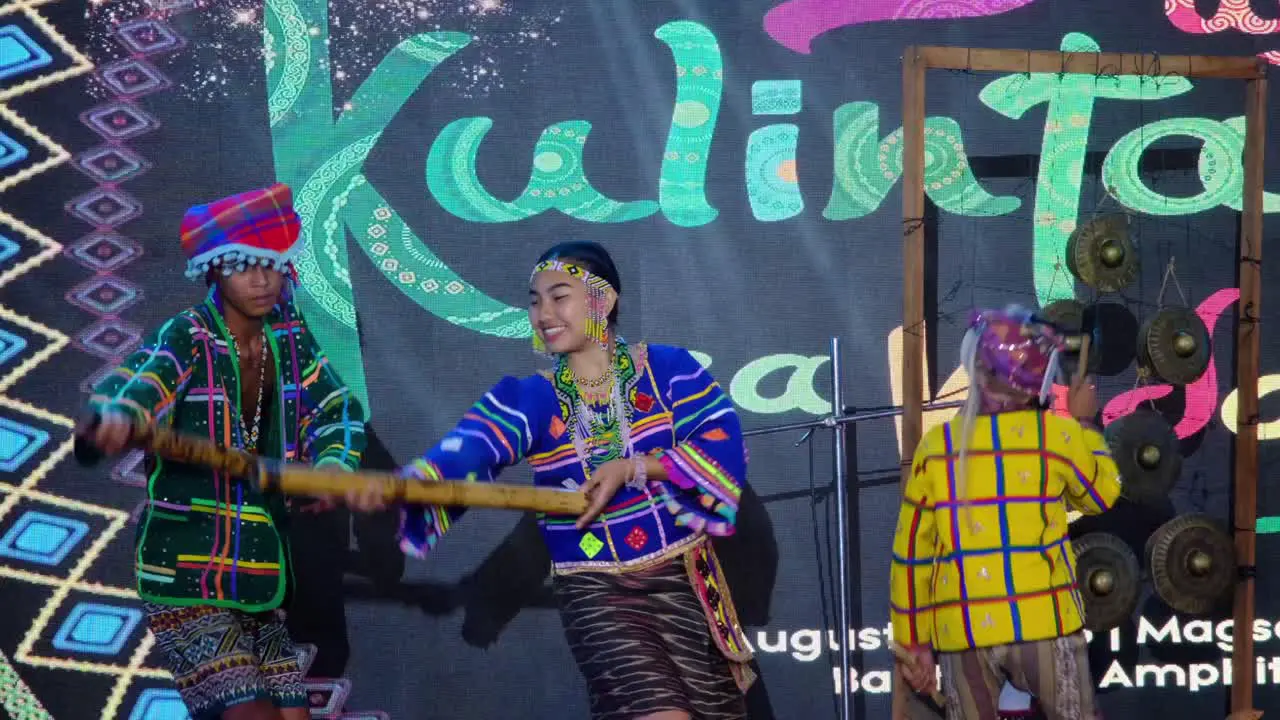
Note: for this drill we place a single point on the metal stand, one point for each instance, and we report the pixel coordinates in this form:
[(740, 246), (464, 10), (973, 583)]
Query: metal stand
[(836, 421)]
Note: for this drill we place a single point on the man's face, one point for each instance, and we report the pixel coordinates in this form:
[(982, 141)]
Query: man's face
[(254, 291)]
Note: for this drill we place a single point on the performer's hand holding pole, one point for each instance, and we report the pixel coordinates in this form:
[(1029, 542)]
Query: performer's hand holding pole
[(367, 498)]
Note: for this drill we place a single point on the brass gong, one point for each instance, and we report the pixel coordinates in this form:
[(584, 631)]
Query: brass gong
[(1145, 449), (1192, 563), (1174, 345), (1102, 255), (1109, 577)]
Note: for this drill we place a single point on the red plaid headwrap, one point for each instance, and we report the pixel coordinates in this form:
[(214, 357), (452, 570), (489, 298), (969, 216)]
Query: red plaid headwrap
[(258, 227)]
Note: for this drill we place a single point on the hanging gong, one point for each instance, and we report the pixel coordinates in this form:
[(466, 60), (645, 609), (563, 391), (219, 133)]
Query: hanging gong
[(1174, 345), (1145, 449), (1192, 563), (1069, 317), (1101, 254), (1109, 578)]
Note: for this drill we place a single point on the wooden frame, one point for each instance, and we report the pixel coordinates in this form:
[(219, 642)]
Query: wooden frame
[(915, 62)]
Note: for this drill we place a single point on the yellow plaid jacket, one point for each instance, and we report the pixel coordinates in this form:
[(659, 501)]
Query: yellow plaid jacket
[(998, 568)]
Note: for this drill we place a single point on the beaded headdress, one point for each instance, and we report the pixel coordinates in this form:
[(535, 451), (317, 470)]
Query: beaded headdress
[(1015, 347), (597, 300), (258, 227)]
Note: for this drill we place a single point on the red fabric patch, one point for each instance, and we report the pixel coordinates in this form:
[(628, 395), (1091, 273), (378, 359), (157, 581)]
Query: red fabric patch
[(637, 538), (715, 434), (643, 402), (557, 427)]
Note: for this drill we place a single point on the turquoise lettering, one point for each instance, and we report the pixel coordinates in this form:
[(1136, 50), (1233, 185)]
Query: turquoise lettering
[(558, 180), (773, 188), (866, 167), (1221, 168), (699, 85), (323, 158), (1070, 99)]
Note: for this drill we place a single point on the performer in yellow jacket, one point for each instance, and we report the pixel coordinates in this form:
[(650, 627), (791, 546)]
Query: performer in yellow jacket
[(983, 571)]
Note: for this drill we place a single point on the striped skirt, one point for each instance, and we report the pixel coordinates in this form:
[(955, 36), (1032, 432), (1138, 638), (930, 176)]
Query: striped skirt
[(643, 643)]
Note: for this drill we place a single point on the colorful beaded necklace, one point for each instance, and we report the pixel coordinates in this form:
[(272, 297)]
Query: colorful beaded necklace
[(599, 434)]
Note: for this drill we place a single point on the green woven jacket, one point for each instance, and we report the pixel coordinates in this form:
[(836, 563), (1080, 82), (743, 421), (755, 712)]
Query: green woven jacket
[(204, 538)]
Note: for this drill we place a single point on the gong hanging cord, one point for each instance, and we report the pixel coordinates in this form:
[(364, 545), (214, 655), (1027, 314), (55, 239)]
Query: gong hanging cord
[(1169, 272)]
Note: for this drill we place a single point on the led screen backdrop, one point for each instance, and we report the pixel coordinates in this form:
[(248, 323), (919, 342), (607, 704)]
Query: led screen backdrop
[(740, 159)]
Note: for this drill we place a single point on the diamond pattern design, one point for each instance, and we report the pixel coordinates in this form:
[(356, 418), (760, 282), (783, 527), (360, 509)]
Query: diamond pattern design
[(8, 248), (109, 339), (105, 207), (159, 704), (97, 628), (18, 443), (326, 697), (104, 295), (88, 384), (25, 151), (96, 625), (130, 471), (172, 7), (10, 346), (44, 536), (119, 121), (12, 152), (42, 539), (111, 164), (637, 538), (132, 78), (19, 54), (590, 545), (104, 251), (148, 36)]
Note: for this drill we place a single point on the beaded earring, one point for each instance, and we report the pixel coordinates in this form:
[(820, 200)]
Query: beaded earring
[(597, 328)]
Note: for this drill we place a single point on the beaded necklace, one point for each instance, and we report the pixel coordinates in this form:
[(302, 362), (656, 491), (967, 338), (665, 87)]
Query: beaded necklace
[(249, 436), (598, 434)]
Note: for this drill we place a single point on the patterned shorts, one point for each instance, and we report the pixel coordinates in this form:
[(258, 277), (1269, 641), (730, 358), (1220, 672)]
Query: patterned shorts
[(220, 658), (1055, 671)]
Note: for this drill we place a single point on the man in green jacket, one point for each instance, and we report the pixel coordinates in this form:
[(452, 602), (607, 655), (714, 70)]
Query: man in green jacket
[(240, 368)]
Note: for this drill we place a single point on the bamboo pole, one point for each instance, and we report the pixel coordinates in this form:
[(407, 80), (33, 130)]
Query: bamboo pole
[(1248, 343), (913, 78)]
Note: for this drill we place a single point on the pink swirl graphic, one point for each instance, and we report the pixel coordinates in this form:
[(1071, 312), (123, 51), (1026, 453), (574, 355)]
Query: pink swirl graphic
[(1231, 15), (795, 23), (1255, 25)]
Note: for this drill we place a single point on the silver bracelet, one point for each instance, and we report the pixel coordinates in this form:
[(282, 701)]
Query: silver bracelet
[(639, 478)]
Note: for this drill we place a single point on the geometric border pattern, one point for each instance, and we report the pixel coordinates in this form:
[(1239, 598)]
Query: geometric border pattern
[(32, 440), (118, 120), (11, 545), (15, 696), (64, 560), (119, 621), (163, 703)]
